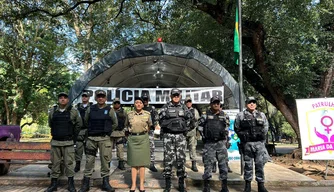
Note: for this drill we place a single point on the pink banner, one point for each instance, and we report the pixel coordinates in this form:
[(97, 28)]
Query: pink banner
[(319, 148)]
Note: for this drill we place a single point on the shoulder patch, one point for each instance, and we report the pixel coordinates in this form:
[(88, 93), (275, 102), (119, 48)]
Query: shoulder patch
[(147, 113)]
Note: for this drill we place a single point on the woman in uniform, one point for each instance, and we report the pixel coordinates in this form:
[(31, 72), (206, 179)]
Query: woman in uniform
[(138, 153)]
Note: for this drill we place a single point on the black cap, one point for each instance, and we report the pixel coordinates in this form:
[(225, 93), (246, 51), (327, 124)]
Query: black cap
[(100, 92), (144, 97), (215, 98), (249, 99), (84, 93), (62, 94), (175, 91), (139, 98)]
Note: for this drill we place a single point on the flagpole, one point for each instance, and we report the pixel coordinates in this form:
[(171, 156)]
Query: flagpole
[(240, 57), (241, 103)]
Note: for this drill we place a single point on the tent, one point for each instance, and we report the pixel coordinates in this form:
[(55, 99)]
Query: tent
[(158, 65)]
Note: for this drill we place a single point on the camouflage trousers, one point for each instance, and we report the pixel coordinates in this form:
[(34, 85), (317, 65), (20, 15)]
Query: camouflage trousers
[(152, 145), (255, 151), (212, 152), (118, 142), (79, 150), (192, 142), (174, 147)]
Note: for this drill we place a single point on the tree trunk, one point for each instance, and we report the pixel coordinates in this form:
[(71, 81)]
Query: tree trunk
[(6, 108)]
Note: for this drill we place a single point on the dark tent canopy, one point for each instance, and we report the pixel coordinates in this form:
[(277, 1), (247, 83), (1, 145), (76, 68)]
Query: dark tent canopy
[(158, 65)]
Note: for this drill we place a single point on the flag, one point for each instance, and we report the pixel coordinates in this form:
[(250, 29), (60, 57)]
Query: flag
[(236, 37)]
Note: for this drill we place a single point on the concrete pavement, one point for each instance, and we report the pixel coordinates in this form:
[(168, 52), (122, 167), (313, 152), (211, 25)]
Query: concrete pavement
[(277, 177)]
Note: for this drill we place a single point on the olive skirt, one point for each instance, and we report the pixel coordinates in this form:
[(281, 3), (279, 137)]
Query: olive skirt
[(138, 153)]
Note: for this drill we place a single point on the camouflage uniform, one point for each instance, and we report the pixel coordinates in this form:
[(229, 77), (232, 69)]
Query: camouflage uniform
[(79, 150), (117, 137), (252, 128), (191, 138), (215, 149), (154, 118), (253, 149), (174, 141)]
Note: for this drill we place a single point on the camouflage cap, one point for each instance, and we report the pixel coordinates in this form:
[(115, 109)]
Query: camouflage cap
[(188, 98), (100, 92), (62, 94), (215, 98), (117, 100), (249, 99), (85, 93), (175, 91)]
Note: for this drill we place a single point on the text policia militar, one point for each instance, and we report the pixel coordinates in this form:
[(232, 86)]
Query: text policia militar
[(199, 95)]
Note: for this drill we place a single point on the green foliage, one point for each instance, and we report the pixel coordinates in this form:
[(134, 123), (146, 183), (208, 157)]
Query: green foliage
[(287, 129)]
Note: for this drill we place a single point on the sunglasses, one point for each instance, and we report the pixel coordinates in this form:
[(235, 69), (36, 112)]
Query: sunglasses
[(249, 102)]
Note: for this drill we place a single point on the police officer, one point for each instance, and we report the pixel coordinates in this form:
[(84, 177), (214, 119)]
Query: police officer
[(215, 125), (65, 123), (118, 135), (191, 135), (100, 120), (155, 120), (251, 126), (228, 145), (82, 107), (174, 117)]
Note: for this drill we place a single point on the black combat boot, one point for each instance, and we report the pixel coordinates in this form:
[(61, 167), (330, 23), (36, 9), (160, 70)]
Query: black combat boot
[(206, 187), (106, 185), (70, 183), (194, 167), (214, 167), (121, 165), (248, 186), (228, 168), (152, 167), (260, 187), (85, 184), (53, 186), (77, 166), (224, 186), (168, 184), (182, 187)]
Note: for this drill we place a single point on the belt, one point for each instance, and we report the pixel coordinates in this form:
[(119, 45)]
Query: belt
[(136, 134), (66, 138)]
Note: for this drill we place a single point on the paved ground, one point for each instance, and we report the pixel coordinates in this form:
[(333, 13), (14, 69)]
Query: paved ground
[(33, 177), (10, 188)]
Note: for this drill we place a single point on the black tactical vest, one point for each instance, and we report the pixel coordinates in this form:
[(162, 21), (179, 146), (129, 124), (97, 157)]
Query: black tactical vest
[(214, 129), (82, 110), (252, 128), (121, 119), (176, 122), (100, 123), (61, 125)]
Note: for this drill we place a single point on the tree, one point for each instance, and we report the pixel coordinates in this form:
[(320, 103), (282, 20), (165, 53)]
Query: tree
[(32, 68), (287, 46)]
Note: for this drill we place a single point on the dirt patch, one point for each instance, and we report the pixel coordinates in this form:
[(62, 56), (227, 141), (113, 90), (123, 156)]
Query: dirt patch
[(314, 169)]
